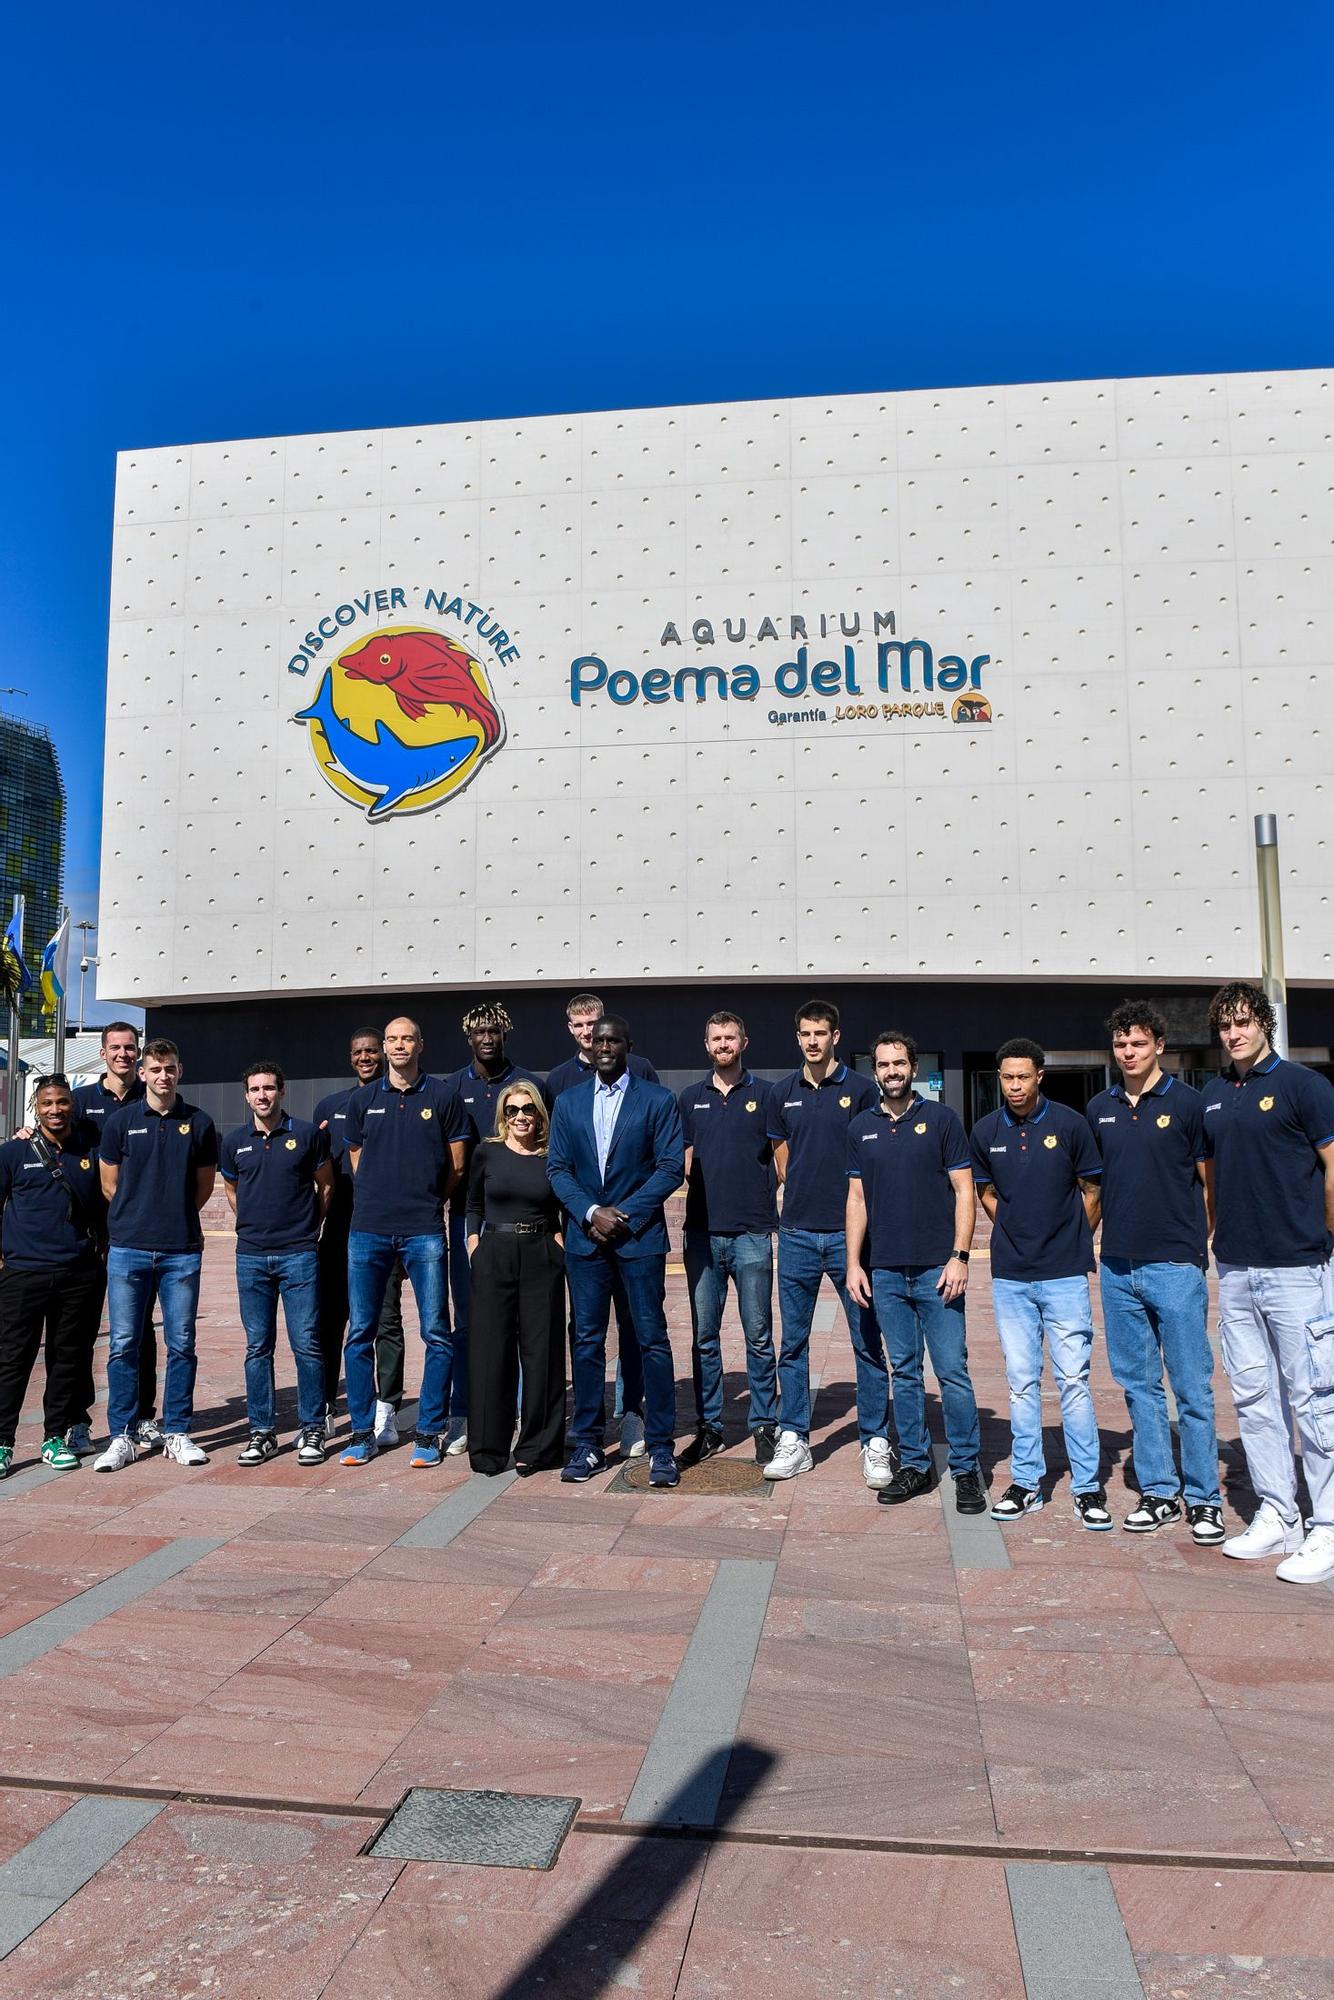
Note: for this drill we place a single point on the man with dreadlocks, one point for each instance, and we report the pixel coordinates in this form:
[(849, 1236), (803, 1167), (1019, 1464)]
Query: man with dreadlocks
[(479, 1084)]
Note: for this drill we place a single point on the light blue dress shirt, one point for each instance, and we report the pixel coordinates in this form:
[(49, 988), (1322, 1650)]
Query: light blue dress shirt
[(607, 1101)]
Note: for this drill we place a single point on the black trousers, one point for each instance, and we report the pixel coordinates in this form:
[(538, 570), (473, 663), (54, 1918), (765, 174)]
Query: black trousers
[(332, 1253), (63, 1306), (518, 1315)]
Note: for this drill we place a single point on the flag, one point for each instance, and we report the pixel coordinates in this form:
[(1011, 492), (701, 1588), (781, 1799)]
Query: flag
[(13, 947), (55, 968)]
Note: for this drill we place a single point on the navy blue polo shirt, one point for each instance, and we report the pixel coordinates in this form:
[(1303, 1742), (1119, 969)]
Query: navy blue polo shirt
[(480, 1095), (567, 1074), (331, 1113), (1035, 1166), (404, 1136), (733, 1188), (93, 1101), (1152, 1199), (813, 1124), (904, 1166), (36, 1230), (277, 1202), (158, 1155), (1261, 1131)]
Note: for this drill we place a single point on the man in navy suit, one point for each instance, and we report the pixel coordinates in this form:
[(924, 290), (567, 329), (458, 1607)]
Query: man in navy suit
[(615, 1154)]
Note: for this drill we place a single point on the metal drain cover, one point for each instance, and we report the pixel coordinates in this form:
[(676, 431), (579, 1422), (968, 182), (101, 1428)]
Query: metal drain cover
[(718, 1476), (479, 1829)]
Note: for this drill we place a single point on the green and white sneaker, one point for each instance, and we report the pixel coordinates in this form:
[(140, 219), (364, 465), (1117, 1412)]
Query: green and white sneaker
[(56, 1453), (6, 1460)]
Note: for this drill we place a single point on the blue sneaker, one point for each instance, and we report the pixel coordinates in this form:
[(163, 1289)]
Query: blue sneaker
[(426, 1451), (662, 1469), (584, 1464), (360, 1451)]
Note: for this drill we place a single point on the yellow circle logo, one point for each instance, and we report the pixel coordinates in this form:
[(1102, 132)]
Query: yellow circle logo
[(86, 1166), (1266, 1103), (184, 1131), (426, 1111), (1164, 1121), (402, 720), (921, 1127), (751, 1105), (291, 1145), (845, 1104), (1051, 1142)]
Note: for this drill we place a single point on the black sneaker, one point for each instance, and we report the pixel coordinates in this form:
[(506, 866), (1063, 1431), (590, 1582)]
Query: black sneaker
[(262, 1445), (311, 1446), (1017, 1500), (1155, 1510), (970, 1496), (1206, 1525), (766, 1443), (706, 1443), (1093, 1510), (583, 1464), (907, 1483)]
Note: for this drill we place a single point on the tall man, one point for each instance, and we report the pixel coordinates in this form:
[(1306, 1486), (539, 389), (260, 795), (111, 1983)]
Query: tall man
[(1269, 1127), (1037, 1171), (583, 1011), (406, 1138), (910, 1192), (1149, 1129), (366, 1057), (810, 1111), (731, 1216), (118, 1084), (52, 1219), (158, 1162), (478, 1084), (278, 1179), (615, 1154)]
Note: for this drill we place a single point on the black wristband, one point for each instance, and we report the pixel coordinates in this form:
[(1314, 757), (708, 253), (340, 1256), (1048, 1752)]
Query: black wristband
[(961, 1255)]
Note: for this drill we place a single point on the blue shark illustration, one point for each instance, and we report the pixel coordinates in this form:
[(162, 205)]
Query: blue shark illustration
[(388, 766)]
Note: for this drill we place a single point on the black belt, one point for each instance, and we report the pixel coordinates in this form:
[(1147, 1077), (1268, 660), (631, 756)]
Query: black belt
[(521, 1228)]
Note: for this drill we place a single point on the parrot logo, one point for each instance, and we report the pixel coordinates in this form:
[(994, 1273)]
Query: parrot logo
[(402, 721)]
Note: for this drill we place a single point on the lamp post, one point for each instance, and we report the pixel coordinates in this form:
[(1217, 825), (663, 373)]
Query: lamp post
[(86, 959), (1271, 926)]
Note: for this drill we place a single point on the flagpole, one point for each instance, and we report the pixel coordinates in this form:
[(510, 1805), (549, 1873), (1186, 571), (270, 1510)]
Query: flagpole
[(13, 1080), (58, 1052)]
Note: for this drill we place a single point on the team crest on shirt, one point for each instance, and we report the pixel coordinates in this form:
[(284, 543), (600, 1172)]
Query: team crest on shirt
[(291, 1145), (751, 1105), (184, 1130), (426, 1111), (845, 1104), (1051, 1142), (921, 1127), (1164, 1121), (1266, 1103), (86, 1166)]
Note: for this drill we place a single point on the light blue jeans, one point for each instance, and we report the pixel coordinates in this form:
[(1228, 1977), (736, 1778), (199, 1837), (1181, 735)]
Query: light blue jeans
[(1278, 1348), (131, 1278), (1156, 1317), (1059, 1310), (748, 1260)]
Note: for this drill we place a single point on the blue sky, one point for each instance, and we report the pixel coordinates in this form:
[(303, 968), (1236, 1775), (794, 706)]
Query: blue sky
[(253, 220)]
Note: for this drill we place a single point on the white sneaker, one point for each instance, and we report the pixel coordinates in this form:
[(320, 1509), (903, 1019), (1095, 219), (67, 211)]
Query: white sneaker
[(1313, 1561), (792, 1455), (119, 1453), (183, 1449), (458, 1438), (1268, 1535), (632, 1435), (877, 1464), (386, 1425)]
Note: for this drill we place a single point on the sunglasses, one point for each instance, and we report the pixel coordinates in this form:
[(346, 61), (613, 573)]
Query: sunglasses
[(524, 1110)]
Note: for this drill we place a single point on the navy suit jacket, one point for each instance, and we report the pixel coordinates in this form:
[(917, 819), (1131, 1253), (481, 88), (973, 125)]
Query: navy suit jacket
[(645, 1163)]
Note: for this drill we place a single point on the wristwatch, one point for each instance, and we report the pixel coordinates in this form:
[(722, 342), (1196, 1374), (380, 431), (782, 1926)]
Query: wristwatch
[(961, 1255)]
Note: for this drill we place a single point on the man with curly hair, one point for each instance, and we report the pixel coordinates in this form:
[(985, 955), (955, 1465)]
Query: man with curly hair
[(1269, 1134)]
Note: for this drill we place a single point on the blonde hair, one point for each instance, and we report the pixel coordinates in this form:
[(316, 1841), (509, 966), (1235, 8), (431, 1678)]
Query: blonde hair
[(521, 1088)]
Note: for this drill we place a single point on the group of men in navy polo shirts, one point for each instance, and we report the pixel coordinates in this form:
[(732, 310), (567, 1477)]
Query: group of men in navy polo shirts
[(879, 1190)]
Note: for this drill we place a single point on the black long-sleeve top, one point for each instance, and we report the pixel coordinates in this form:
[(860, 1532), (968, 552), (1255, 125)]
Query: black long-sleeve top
[(505, 1186)]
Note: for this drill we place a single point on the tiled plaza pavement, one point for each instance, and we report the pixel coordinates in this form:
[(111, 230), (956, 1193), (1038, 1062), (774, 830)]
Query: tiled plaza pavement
[(1102, 1767)]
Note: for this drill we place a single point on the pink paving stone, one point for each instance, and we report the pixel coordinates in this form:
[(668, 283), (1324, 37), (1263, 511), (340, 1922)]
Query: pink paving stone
[(451, 1607), (601, 1774), (924, 1790), (1173, 1910), (507, 1710), (321, 1647), (618, 1572), (412, 1947), (204, 1901), (619, 1878), (242, 1592), (341, 1701), (1242, 1977), (24, 1814), (900, 1619), (1087, 1678), (212, 1643), (263, 1756)]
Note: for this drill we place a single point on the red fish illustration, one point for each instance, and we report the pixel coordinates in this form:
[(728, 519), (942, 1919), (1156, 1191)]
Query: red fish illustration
[(422, 669)]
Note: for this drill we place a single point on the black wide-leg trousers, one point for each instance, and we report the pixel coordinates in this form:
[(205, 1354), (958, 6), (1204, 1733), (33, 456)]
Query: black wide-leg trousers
[(518, 1320), (63, 1306)]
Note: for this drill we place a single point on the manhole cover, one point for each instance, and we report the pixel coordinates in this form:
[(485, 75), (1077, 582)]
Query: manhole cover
[(480, 1829), (717, 1476)]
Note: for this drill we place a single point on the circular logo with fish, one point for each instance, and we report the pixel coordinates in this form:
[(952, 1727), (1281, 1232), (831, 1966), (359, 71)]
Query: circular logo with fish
[(402, 720)]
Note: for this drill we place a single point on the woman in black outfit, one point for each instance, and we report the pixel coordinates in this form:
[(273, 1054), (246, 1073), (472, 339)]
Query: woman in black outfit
[(518, 1293)]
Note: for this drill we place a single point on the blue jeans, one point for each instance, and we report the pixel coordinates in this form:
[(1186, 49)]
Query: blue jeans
[(748, 1260), (804, 1257), (1156, 1316), (293, 1277), (460, 1281), (1058, 1308), (370, 1259), (132, 1276), (914, 1317), (593, 1281)]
